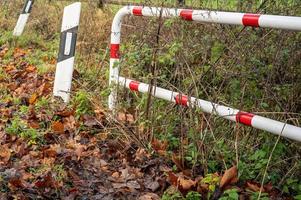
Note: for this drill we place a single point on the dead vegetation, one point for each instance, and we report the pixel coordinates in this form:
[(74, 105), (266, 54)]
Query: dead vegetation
[(154, 149)]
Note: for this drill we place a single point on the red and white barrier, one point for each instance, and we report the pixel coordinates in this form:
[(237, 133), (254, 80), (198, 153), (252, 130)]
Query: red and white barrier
[(254, 20)]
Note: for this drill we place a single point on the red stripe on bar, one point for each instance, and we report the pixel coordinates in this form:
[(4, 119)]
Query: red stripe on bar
[(182, 100), (114, 51), (244, 118), (137, 11), (251, 20), (186, 14), (134, 85)]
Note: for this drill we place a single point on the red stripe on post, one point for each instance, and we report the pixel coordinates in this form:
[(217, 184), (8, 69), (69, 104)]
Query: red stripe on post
[(134, 85), (251, 20), (244, 118), (137, 11), (114, 51), (186, 14), (182, 100)]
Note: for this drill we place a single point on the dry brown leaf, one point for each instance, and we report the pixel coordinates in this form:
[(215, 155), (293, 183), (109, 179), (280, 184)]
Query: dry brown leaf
[(102, 136), (173, 179), (149, 196), (125, 117), (115, 175), (15, 183), (33, 98), (69, 123), (33, 124), (229, 177), (3, 51), (186, 184), (30, 68), (5, 153), (159, 145), (177, 161), (57, 127), (65, 113), (253, 186)]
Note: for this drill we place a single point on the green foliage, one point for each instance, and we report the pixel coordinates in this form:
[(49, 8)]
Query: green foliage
[(42, 103), (212, 180), (253, 163), (19, 128), (60, 172), (168, 58), (263, 196), (192, 154), (192, 195), (6, 37), (83, 103), (216, 51), (231, 194), (172, 196), (292, 186), (298, 197)]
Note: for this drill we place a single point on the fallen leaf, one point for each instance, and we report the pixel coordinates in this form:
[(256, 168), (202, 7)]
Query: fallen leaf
[(33, 98), (125, 117), (186, 184), (229, 177), (149, 196), (152, 185), (159, 145), (30, 68), (90, 121), (65, 113), (16, 183), (177, 161), (46, 181), (102, 136), (173, 179), (5, 153), (133, 185), (115, 175), (33, 124), (57, 127), (253, 186)]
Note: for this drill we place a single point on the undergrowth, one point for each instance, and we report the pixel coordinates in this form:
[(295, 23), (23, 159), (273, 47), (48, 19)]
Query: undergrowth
[(257, 70)]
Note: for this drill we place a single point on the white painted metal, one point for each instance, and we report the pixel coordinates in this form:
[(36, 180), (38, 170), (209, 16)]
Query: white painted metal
[(280, 22), (28, 6), (19, 28), (71, 16), (63, 79), (217, 17), (64, 69), (262, 123)]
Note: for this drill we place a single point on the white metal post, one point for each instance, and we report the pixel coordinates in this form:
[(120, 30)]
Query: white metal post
[(18, 30), (65, 62)]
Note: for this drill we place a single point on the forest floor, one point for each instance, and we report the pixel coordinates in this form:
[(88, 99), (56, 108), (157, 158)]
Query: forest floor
[(49, 151), (52, 151)]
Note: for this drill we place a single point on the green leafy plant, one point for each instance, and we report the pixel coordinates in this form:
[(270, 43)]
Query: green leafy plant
[(19, 128), (192, 195), (212, 181), (83, 103), (231, 194), (263, 196), (172, 195)]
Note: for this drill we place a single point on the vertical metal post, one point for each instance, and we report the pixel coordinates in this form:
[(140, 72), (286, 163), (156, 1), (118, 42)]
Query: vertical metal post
[(65, 62)]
